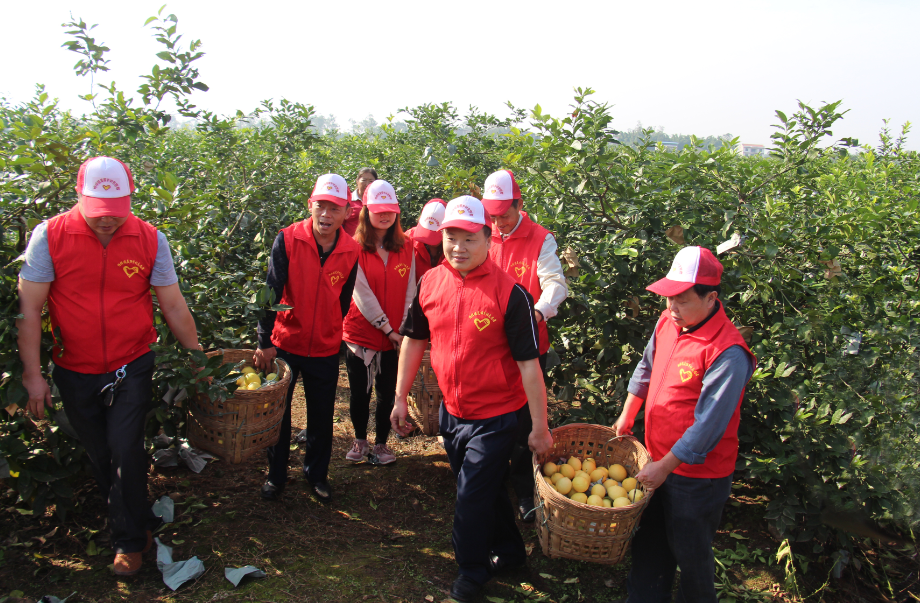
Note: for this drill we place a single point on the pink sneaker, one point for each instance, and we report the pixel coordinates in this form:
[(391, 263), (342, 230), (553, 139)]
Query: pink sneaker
[(382, 455), (358, 451)]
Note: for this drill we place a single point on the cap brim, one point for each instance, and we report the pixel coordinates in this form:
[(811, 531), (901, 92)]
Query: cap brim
[(94, 207), (333, 198), (461, 224), (496, 208), (381, 208), (428, 237), (668, 288)]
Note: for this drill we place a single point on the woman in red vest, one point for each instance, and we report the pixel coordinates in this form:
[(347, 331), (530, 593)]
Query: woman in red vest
[(427, 238), (384, 289), (691, 379)]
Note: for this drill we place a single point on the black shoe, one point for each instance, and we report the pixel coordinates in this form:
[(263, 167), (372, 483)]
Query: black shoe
[(270, 491), (322, 490), (498, 565), (525, 506), (464, 590)]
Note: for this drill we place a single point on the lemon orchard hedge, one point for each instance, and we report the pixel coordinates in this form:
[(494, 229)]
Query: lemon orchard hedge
[(823, 279)]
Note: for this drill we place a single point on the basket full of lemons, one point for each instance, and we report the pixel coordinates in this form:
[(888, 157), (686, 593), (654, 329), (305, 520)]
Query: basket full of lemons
[(248, 421), (588, 501)]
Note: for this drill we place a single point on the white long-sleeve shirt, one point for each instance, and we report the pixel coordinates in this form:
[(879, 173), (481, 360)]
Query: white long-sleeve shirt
[(553, 288)]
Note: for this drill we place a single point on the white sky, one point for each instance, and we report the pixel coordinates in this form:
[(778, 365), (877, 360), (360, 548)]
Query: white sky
[(707, 67)]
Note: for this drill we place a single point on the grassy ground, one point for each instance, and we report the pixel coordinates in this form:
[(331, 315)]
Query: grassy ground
[(385, 537)]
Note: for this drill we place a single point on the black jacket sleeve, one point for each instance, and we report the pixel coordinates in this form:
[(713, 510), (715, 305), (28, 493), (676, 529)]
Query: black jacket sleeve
[(416, 323), (348, 289), (276, 279), (521, 326)]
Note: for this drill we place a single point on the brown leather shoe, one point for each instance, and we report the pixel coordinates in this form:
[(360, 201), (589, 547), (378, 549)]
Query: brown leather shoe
[(127, 564), (149, 544)]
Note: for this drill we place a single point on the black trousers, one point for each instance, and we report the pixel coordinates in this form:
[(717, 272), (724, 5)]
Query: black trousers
[(521, 471), (384, 386), (320, 378), (478, 451), (113, 437)]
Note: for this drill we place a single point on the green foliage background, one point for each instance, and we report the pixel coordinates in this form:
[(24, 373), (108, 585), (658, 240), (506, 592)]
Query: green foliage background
[(830, 250)]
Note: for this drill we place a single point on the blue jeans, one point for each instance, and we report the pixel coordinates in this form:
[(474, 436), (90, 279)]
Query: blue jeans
[(479, 451), (676, 530)]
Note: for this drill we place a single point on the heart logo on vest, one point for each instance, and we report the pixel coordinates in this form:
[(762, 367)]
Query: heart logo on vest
[(481, 323), (686, 375), (131, 270), (520, 270), (333, 279), (402, 269)]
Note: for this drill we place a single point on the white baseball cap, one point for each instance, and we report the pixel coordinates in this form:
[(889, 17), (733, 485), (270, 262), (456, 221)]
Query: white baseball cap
[(379, 197), (691, 266), (106, 185), (465, 212), (429, 222), (500, 190), (331, 187)]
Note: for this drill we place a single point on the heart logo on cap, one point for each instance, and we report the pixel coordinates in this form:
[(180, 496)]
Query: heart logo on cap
[(520, 270), (131, 270), (686, 375), (106, 186), (460, 211), (481, 323), (328, 187)]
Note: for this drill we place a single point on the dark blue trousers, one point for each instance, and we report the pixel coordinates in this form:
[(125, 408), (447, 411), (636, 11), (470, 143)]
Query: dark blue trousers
[(113, 437), (479, 451), (676, 530), (521, 470), (320, 378)]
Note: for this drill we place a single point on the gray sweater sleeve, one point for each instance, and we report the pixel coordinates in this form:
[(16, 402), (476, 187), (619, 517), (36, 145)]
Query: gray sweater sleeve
[(638, 384), (722, 387)]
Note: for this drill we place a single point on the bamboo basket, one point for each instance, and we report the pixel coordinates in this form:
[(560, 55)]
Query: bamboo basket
[(573, 530), (245, 423), (425, 398)]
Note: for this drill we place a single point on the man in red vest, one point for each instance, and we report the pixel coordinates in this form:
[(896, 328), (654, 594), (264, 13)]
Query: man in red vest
[(95, 265), (366, 175), (484, 351), (691, 378), (527, 252), (313, 266)]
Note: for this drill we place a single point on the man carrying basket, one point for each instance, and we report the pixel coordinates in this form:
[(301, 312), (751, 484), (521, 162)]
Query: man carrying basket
[(95, 266), (691, 378), (484, 351)]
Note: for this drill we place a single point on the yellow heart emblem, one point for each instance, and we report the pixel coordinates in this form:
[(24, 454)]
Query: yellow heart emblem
[(333, 279), (520, 270), (481, 323), (131, 270), (106, 186), (686, 375), (402, 270)]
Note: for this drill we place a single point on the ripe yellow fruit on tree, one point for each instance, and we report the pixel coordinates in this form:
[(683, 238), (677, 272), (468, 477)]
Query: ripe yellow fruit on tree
[(564, 486), (630, 483), (621, 502), (550, 468), (580, 484), (567, 470), (595, 501), (599, 490), (574, 463), (618, 472), (580, 497)]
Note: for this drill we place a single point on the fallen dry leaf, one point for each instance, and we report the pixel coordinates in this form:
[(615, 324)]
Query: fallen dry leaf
[(676, 234)]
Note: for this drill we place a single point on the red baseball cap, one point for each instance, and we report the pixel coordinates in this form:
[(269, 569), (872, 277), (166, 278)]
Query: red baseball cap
[(429, 222), (691, 266), (499, 191), (331, 187), (465, 212), (106, 185)]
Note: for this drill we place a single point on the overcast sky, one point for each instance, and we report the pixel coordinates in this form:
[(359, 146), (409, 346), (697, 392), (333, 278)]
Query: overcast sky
[(707, 68)]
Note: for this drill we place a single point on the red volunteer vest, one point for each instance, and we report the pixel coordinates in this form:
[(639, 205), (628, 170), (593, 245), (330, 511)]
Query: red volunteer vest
[(422, 257), (681, 360), (100, 297), (313, 327), (469, 348), (517, 255), (354, 217), (389, 284)]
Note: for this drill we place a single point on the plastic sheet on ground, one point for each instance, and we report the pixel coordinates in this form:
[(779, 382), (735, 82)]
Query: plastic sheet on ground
[(235, 574), (176, 573), (53, 599), (169, 457), (301, 437), (165, 509)]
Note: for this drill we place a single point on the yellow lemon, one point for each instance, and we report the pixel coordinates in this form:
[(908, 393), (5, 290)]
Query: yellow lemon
[(618, 472), (580, 497), (241, 382), (621, 502), (564, 486), (252, 378), (252, 386), (548, 481), (616, 492), (610, 483), (271, 377), (574, 463), (556, 477), (580, 484), (583, 474), (599, 490), (607, 502), (604, 469), (550, 468), (595, 501), (567, 471), (629, 483), (248, 369), (588, 466), (597, 475), (635, 495)]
